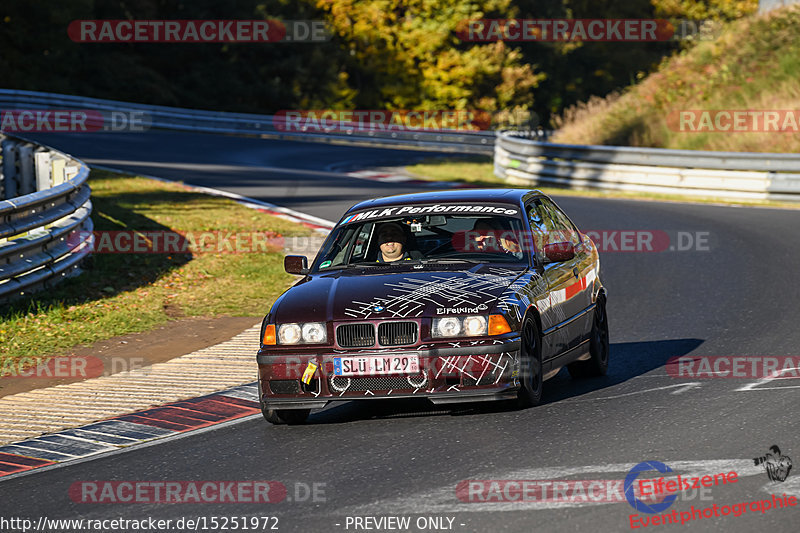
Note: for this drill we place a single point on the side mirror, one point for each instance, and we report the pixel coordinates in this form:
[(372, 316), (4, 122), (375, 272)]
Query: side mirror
[(558, 252), (296, 264)]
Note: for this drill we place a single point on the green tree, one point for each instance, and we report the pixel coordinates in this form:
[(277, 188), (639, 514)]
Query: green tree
[(705, 9), (406, 54)]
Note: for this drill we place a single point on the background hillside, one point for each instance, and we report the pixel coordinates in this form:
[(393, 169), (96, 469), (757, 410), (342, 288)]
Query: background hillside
[(753, 65)]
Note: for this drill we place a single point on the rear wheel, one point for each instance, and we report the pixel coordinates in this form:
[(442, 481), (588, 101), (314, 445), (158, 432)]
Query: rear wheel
[(532, 385), (597, 364)]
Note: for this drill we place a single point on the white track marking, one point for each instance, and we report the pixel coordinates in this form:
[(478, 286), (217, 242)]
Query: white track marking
[(285, 212), (682, 387), (755, 384), (443, 499), (791, 487)]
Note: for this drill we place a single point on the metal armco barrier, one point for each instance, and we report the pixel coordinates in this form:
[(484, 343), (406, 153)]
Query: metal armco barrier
[(174, 118), (731, 175), (519, 157), (44, 198)]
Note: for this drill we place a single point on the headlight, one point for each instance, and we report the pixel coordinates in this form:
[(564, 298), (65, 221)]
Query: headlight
[(475, 325), (289, 334), (470, 326), (308, 333), (446, 327), (315, 333)]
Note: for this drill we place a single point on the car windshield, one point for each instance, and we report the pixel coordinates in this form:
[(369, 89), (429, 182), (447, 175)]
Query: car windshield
[(445, 238)]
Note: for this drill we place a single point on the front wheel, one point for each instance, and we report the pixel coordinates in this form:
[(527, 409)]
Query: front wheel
[(281, 416), (285, 416), (597, 364), (532, 384)]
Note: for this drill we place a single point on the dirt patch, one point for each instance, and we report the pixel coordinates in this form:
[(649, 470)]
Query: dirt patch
[(136, 350)]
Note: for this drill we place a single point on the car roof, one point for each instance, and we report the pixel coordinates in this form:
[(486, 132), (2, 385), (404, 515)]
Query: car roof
[(505, 196)]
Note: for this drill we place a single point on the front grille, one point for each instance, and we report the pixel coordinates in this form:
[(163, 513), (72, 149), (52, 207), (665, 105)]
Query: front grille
[(397, 333), (355, 335), (344, 384), (284, 386)]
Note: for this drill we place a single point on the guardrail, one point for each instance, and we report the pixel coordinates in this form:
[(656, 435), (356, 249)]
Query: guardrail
[(44, 198), (731, 175), (519, 157), (174, 118)]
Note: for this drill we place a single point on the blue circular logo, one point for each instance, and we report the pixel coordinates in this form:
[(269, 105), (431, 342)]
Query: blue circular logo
[(378, 308), (630, 481)]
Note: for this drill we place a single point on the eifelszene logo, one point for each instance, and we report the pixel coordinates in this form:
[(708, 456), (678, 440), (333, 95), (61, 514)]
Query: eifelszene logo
[(630, 485), (776, 465)]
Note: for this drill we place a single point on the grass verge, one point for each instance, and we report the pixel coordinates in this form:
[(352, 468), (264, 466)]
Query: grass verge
[(479, 171), (126, 293)]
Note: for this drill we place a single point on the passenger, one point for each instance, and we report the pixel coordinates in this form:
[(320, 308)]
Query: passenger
[(490, 236)]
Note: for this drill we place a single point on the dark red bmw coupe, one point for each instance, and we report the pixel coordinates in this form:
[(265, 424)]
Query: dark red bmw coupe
[(455, 296)]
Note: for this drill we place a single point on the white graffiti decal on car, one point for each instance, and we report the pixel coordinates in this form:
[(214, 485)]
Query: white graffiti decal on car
[(409, 297), (519, 295), (464, 365)]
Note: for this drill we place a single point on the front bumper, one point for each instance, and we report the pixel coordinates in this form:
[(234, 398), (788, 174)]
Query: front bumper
[(450, 372)]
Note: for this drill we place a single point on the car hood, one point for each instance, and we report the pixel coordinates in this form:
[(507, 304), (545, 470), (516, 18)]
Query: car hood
[(365, 294)]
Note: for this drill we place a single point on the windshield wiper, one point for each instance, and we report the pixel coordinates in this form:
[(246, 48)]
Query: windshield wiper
[(451, 260), (424, 261), (365, 263)]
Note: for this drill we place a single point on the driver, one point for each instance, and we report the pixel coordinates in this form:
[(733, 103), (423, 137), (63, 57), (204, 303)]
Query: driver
[(392, 241)]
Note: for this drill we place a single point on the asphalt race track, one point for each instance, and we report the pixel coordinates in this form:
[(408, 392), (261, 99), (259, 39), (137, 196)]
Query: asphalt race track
[(736, 296)]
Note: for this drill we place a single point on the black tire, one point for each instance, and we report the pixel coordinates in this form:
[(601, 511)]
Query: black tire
[(531, 382), (597, 364), (285, 416)]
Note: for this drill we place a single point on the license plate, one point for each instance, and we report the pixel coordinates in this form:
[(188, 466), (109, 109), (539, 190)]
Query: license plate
[(376, 365)]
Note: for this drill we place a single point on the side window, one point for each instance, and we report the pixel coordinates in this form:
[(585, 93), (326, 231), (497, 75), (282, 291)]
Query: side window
[(336, 250), (539, 229), (559, 227), (362, 239), (535, 218)]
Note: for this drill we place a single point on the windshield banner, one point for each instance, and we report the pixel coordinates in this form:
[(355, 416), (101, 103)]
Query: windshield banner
[(441, 209)]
